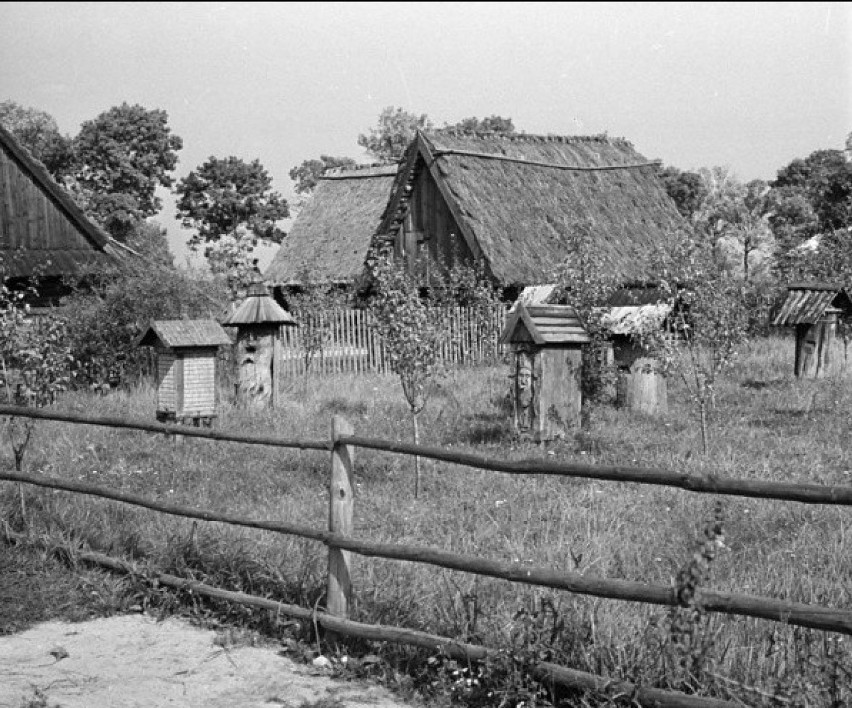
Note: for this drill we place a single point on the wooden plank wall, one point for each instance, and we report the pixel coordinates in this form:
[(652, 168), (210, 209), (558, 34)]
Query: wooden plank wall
[(353, 345), (29, 220)]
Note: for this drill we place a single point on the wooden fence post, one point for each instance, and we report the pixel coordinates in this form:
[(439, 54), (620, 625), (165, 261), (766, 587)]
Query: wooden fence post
[(340, 506)]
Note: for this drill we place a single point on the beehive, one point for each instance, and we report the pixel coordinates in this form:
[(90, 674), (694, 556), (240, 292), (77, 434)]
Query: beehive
[(186, 368), (546, 342)]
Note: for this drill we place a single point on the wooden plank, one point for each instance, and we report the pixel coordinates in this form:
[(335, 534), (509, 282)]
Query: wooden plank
[(340, 511)]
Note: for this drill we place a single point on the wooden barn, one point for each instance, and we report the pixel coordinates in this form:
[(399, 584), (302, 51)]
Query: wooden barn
[(514, 201), (330, 237), (814, 309), (42, 231), (186, 368)]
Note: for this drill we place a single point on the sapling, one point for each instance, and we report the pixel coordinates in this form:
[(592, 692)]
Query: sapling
[(410, 333)]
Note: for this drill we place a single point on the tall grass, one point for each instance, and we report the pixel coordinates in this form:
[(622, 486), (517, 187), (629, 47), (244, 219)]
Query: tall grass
[(765, 425)]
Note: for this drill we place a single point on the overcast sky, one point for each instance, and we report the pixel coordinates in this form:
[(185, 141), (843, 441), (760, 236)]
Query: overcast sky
[(748, 86)]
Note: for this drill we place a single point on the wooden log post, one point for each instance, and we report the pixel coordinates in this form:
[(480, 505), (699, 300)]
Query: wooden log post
[(340, 507)]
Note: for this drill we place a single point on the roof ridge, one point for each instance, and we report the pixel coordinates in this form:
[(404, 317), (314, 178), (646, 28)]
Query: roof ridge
[(531, 137), (356, 168)]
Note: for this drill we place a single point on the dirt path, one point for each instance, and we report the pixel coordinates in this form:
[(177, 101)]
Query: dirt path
[(135, 661)]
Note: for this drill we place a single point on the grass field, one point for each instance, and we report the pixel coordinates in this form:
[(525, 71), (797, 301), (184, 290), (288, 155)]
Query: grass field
[(766, 425)]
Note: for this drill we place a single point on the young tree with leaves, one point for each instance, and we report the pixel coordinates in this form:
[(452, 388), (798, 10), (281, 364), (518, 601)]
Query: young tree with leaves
[(410, 332), (38, 131), (708, 321), (233, 208)]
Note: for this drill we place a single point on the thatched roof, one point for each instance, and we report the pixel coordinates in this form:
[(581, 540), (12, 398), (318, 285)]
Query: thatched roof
[(806, 303), (332, 234), (42, 228), (517, 198), (180, 334)]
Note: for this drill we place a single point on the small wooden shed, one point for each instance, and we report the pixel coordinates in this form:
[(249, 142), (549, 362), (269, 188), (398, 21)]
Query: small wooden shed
[(186, 368), (258, 320), (813, 309), (546, 342)]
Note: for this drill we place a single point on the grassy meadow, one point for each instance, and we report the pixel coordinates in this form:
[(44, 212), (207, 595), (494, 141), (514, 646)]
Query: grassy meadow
[(766, 425)]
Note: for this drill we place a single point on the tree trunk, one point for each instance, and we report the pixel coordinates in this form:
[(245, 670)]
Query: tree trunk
[(702, 407), (416, 428)]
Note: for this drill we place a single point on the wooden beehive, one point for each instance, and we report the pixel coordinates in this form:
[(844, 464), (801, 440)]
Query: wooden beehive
[(258, 320), (814, 310), (186, 368), (546, 342)]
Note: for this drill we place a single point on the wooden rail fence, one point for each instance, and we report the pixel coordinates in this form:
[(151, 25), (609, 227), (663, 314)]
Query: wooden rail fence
[(352, 345), (341, 542)]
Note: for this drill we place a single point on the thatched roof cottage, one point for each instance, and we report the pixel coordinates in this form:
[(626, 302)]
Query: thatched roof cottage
[(42, 230), (513, 200), (330, 237)]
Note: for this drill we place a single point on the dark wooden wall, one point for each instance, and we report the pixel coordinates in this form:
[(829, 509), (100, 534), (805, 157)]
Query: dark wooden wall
[(429, 228), (31, 223)]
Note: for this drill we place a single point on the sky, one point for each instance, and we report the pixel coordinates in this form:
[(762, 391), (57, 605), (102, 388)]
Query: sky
[(745, 86)]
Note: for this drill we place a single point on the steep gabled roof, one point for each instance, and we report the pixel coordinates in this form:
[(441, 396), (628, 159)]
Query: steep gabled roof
[(332, 234), (517, 198), (41, 249), (544, 325)]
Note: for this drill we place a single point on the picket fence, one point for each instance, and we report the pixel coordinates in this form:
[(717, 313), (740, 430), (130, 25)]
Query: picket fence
[(351, 343)]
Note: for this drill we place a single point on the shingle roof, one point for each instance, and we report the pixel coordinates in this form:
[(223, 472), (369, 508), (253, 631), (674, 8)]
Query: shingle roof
[(258, 307), (332, 234), (806, 303), (518, 198), (177, 334), (543, 325)]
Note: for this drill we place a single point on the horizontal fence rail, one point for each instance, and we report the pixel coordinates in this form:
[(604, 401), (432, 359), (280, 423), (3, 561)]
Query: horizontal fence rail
[(796, 613), (452, 648), (167, 429), (707, 484)]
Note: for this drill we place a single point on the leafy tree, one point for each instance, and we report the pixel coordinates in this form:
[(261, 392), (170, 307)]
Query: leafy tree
[(396, 128), (150, 240), (686, 189), (232, 205), (707, 315), (308, 173), (105, 318), (124, 155), (409, 329), (38, 131), (825, 177), (491, 124)]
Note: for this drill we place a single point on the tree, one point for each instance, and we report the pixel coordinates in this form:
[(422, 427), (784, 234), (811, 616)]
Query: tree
[(825, 177), (308, 173), (38, 131), (708, 317), (124, 155), (491, 124), (686, 189), (394, 131), (409, 330), (233, 207)]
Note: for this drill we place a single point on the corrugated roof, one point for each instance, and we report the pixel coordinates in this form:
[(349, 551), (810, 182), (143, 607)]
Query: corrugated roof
[(177, 334), (544, 325), (520, 198), (332, 234), (806, 303)]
